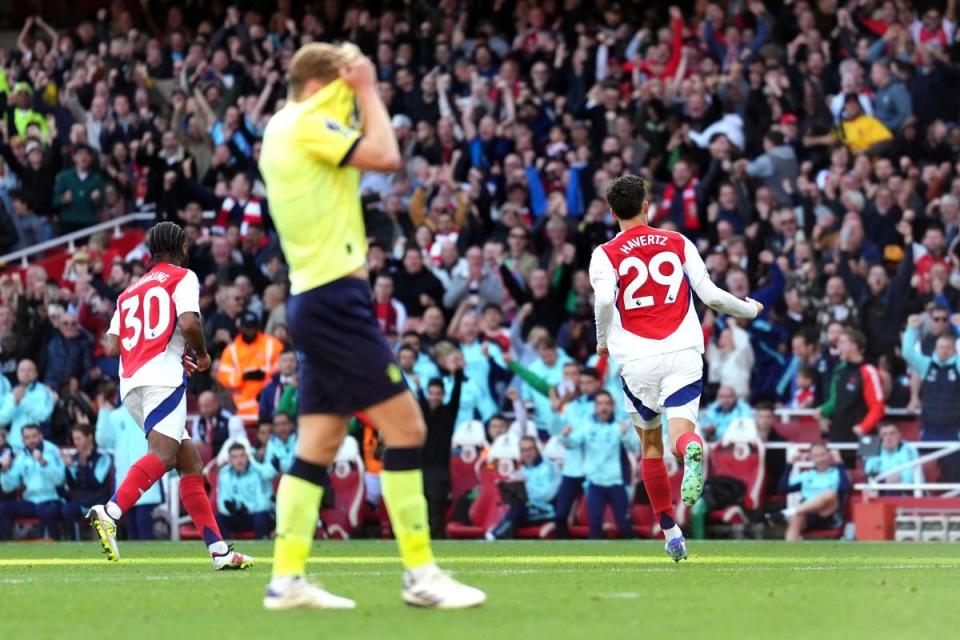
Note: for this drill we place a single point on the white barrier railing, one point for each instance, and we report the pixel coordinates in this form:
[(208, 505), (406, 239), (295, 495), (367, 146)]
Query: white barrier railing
[(70, 239), (891, 412)]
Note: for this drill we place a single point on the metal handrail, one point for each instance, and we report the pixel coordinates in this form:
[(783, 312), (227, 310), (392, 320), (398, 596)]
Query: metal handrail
[(897, 412), (69, 239)]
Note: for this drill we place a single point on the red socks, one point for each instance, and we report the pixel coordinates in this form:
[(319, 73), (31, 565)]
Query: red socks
[(657, 484), (144, 473), (193, 495), (685, 439)]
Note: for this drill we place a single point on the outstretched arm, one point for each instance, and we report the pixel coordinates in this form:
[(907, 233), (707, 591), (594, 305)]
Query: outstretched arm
[(603, 278), (712, 295)]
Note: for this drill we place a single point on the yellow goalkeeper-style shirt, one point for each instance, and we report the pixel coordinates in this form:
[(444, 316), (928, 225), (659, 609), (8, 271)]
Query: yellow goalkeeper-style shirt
[(314, 198), (863, 132)]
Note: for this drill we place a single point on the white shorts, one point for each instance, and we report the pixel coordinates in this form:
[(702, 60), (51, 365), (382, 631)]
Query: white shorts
[(160, 409), (669, 383)]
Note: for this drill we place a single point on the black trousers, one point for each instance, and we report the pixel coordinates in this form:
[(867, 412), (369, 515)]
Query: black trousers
[(436, 489)]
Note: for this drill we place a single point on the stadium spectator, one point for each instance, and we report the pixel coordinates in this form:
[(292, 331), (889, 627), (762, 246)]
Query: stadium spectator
[(282, 445), (540, 480), (416, 287), (440, 417), (576, 413), (29, 403), (894, 452), (855, 403), (214, 425), (221, 327), (730, 359), (475, 282), (87, 471), (69, 354), (721, 413), (284, 382), (78, 191), (939, 390), (821, 491), (601, 438), (244, 495), (247, 363), (38, 470), (29, 226), (390, 312), (117, 431)]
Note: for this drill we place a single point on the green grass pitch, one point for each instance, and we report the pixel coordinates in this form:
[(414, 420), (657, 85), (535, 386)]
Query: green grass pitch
[(542, 591)]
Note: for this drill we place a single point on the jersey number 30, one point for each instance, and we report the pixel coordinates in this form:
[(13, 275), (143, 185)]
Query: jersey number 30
[(672, 280), (139, 319)]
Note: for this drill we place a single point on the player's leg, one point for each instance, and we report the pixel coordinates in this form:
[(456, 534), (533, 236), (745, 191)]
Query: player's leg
[(150, 407), (193, 495), (298, 504), (400, 422), (656, 482), (680, 399)]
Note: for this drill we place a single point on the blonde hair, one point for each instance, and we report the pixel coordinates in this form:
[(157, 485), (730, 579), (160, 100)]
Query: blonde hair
[(318, 61)]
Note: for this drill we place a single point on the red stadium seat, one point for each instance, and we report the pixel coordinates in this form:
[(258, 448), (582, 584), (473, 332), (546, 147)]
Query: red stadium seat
[(745, 462), (540, 531), (799, 429), (486, 511), (341, 520), (642, 517), (464, 472)]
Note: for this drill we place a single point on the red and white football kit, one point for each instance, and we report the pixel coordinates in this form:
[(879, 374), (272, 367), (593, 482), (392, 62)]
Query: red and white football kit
[(152, 384), (643, 281)]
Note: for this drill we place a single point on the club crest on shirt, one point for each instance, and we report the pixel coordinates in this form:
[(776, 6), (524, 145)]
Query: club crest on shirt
[(336, 127)]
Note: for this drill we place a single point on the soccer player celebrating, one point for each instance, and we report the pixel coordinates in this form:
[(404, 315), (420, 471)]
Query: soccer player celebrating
[(642, 281), (312, 155), (157, 317)]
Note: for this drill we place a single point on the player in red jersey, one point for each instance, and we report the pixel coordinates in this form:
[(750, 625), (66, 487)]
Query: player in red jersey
[(643, 282), (157, 317)]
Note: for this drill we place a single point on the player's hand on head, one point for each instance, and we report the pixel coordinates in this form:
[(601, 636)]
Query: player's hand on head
[(359, 74)]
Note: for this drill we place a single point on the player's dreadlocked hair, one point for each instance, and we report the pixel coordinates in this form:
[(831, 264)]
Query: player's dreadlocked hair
[(165, 239)]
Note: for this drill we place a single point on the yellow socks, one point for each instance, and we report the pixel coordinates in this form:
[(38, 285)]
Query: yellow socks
[(403, 494), (298, 505)]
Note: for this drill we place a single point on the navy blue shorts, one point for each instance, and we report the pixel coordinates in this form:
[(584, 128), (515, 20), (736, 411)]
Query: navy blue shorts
[(346, 364)]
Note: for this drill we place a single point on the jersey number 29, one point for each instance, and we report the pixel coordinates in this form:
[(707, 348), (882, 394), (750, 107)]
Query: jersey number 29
[(673, 279), (140, 319)]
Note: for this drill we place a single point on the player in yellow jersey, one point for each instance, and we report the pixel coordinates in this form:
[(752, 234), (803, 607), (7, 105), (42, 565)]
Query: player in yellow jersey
[(334, 126)]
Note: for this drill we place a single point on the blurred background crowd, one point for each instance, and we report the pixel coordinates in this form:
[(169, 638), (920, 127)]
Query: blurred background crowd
[(810, 149)]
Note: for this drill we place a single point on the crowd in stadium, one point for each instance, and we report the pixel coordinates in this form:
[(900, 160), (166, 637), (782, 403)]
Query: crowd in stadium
[(811, 151)]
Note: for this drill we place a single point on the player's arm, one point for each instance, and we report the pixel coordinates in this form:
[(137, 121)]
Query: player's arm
[(712, 295), (377, 149), (603, 278), (111, 339), (186, 298), (191, 326)]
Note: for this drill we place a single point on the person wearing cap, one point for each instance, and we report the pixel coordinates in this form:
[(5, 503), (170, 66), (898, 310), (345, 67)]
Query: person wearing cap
[(78, 191), (21, 115), (247, 364)]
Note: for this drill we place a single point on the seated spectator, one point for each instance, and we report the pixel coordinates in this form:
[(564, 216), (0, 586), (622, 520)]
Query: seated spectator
[(541, 479), (246, 365), (282, 445), (29, 403), (38, 469), (214, 425), (244, 494), (87, 471), (69, 354), (720, 413), (119, 432), (821, 490), (272, 393), (894, 452), (601, 438)]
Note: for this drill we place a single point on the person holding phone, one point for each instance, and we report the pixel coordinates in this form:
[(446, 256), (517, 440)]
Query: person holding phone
[(247, 363)]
